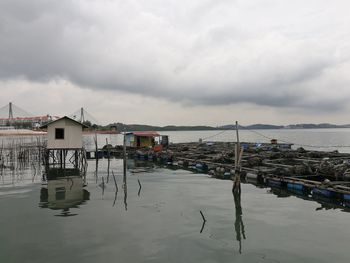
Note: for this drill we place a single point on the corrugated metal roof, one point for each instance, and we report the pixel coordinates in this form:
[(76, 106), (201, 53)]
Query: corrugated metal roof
[(146, 133)]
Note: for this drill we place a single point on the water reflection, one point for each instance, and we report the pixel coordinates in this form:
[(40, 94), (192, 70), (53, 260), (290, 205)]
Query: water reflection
[(202, 228), (125, 188), (239, 225), (64, 194), (137, 166), (115, 198), (125, 185), (204, 221), (324, 202)]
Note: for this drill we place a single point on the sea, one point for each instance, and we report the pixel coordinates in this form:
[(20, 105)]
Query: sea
[(166, 214)]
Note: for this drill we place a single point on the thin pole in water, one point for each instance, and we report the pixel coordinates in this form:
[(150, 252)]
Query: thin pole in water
[(108, 155), (124, 174), (238, 157)]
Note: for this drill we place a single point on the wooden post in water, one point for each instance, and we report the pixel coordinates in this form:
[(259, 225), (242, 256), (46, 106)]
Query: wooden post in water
[(64, 159), (61, 159), (124, 159), (238, 156), (236, 190), (76, 160), (239, 225), (124, 173), (108, 155), (96, 155)]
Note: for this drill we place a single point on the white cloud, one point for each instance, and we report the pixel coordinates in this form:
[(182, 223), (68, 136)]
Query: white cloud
[(216, 54)]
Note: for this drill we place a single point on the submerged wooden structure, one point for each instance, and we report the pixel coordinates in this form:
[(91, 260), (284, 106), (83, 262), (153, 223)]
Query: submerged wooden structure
[(17, 155)]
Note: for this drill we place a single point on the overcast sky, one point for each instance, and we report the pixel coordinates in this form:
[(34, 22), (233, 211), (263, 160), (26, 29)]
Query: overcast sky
[(178, 62)]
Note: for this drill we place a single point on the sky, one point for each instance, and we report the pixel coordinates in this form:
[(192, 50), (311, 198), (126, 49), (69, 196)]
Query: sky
[(161, 62)]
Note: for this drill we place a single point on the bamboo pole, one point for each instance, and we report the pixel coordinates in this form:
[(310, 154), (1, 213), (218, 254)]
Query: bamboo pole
[(140, 187), (96, 156), (124, 174), (204, 221), (109, 161), (115, 182), (238, 157)]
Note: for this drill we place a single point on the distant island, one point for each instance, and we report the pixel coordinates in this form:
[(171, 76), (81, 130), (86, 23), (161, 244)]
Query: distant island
[(140, 127)]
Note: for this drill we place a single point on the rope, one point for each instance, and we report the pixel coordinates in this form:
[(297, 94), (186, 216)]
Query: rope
[(212, 136)]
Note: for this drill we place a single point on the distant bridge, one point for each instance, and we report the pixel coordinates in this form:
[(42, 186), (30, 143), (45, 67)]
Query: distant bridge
[(12, 115), (83, 116)]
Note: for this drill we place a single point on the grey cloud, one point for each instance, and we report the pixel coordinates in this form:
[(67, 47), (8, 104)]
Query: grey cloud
[(133, 47)]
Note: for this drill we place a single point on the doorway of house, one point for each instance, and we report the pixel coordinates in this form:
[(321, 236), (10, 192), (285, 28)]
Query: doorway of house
[(138, 141)]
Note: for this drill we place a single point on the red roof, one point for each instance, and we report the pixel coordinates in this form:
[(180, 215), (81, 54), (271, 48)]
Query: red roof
[(146, 133)]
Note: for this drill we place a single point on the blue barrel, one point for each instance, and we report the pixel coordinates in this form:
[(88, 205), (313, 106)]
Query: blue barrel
[(346, 197), (199, 167), (227, 175), (295, 186), (275, 183), (323, 192)]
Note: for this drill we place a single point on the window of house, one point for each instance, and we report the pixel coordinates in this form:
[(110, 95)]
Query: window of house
[(59, 134)]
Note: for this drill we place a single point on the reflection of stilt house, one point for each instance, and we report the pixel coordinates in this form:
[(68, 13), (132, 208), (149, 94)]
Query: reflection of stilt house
[(64, 194), (65, 155)]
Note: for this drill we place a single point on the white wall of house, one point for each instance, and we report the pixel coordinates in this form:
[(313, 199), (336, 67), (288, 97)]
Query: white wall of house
[(73, 135), (129, 140)]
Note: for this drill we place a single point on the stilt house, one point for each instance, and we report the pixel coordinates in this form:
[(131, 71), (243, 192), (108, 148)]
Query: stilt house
[(65, 145)]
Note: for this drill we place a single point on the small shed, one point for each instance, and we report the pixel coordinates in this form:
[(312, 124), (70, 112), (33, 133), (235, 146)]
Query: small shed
[(141, 139), (64, 133)]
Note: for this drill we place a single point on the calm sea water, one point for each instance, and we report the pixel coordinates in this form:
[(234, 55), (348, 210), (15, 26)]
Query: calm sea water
[(312, 139), (161, 221)]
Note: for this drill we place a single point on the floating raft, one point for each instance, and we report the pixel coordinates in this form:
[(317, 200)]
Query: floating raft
[(319, 173)]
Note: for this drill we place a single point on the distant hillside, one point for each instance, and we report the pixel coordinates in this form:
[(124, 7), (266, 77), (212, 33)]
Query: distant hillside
[(252, 127), (140, 127), (316, 126), (264, 126), (291, 126)]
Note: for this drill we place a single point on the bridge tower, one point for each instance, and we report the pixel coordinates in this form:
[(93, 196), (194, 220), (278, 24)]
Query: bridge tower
[(82, 117), (10, 114)]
